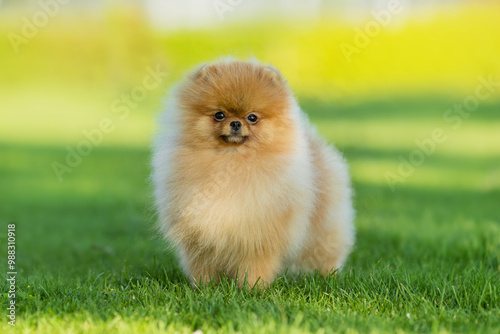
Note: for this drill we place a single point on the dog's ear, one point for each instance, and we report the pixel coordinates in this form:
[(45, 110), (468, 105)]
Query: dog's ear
[(273, 74), (205, 71)]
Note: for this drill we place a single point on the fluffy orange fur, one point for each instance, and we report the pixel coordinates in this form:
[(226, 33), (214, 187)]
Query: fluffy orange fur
[(251, 202)]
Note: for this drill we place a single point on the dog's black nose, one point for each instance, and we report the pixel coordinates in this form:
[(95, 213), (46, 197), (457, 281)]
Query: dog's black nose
[(235, 126)]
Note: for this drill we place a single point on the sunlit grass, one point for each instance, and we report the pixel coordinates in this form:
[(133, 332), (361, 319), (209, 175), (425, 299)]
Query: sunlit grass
[(426, 258)]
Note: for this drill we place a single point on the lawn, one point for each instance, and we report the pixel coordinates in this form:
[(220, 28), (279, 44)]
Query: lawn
[(426, 258), (88, 260)]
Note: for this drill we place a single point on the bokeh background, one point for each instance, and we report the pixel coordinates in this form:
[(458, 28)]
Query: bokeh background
[(373, 88), (64, 65)]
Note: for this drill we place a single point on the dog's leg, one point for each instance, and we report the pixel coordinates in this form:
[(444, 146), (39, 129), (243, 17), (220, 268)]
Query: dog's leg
[(259, 272)]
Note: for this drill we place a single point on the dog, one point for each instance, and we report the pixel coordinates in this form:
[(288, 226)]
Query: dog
[(243, 184)]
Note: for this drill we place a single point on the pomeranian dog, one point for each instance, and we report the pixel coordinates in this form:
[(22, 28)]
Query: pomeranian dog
[(243, 184)]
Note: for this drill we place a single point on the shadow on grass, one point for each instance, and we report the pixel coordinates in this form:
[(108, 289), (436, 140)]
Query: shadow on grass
[(429, 108)]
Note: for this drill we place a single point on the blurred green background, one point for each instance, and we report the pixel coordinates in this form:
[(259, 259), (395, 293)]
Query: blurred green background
[(367, 85), (375, 79)]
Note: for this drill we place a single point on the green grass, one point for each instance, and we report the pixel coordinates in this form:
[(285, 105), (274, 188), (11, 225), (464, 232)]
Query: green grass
[(427, 254), (426, 257)]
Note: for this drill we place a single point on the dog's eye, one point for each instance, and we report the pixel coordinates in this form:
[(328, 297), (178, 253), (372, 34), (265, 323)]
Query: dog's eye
[(252, 118), (219, 116)]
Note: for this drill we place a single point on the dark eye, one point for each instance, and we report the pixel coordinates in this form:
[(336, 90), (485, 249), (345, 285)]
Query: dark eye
[(219, 116), (252, 118)]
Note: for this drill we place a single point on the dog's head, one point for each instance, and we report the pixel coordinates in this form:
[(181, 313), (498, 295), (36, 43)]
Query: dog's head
[(233, 104)]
